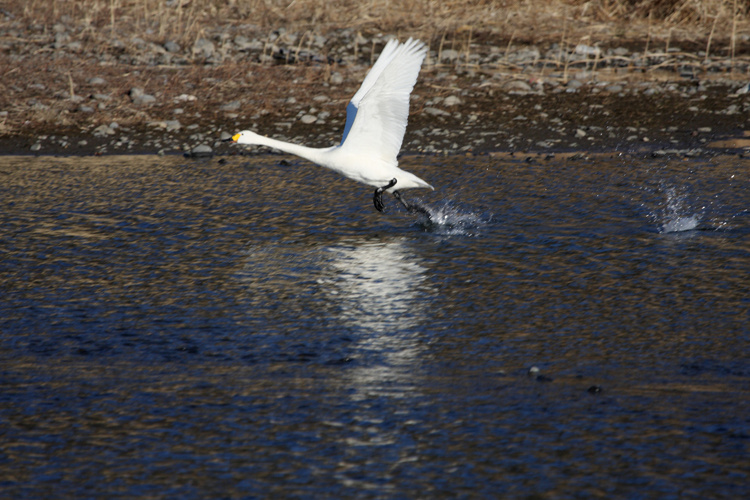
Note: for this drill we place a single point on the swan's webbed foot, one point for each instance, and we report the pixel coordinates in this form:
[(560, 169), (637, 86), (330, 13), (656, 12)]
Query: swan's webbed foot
[(412, 208), (377, 199)]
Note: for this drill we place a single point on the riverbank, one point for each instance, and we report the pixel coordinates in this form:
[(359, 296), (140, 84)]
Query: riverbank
[(75, 91)]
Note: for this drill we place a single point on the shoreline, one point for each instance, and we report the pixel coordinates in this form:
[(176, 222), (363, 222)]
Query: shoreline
[(73, 100), (707, 121)]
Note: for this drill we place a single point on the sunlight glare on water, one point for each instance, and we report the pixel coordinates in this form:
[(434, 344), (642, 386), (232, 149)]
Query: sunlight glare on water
[(255, 329)]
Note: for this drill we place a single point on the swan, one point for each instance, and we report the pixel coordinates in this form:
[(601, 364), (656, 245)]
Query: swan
[(375, 125)]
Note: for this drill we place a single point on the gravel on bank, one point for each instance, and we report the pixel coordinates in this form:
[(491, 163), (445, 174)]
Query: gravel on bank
[(62, 95)]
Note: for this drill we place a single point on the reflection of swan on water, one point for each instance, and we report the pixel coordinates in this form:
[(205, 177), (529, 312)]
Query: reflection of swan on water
[(375, 294), (372, 286), (380, 290), (377, 287)]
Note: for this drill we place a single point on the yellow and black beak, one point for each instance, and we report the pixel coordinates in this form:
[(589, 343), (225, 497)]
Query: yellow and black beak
[(236, 137)]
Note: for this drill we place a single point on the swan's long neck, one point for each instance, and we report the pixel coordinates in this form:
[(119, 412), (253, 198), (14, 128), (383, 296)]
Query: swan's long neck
[(315, 155)]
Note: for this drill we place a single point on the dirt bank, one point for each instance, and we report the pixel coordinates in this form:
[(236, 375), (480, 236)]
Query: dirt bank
[(61, 95)]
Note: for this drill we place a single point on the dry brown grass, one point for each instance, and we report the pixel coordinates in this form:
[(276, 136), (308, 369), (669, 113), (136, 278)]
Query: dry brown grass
[(529, 20)]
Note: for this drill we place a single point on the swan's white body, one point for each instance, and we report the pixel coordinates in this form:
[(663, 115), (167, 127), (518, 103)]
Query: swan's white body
[(375, 123)]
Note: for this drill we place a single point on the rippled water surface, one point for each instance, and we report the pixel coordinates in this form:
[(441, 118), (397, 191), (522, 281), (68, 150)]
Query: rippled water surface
[(173, 328)]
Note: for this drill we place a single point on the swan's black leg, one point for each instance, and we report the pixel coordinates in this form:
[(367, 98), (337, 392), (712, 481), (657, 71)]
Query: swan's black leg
[(411, 207), (378, 198), (405, 203)]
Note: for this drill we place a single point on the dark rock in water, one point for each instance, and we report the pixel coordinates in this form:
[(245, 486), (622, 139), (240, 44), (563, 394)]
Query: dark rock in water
[(594, 389), (340, 361)]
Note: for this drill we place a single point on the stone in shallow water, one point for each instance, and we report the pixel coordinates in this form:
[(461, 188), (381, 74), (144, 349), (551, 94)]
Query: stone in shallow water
[(201, 151)]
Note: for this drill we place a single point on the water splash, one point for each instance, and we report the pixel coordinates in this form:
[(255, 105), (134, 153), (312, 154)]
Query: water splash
[(678, 214), (450, 219), (681, 224)]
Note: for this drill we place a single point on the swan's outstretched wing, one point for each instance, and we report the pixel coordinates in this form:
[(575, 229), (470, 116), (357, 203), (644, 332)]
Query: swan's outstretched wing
[(386, 56), (382, 103)]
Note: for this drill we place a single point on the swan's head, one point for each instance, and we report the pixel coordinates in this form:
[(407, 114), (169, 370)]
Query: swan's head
[(246, 137)]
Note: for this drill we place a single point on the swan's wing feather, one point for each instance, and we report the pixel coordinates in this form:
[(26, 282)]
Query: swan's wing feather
[(379, 124), (386, 56), (351, 114)]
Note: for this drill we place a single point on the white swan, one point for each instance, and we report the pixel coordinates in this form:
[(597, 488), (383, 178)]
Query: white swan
[(375, 125)]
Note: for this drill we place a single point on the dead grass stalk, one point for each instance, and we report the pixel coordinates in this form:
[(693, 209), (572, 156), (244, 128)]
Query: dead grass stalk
[(180, 20)]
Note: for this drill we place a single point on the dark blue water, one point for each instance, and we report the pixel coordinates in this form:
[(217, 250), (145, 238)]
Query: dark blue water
[(565, 328)]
